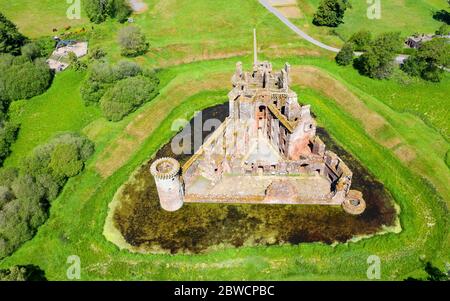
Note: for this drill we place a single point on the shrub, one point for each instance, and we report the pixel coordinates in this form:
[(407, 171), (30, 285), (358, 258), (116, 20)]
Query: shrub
[(330, 13), (443, 30), (99, 10), (11, 40), (21, 78), (100, 78), (378, 60), (429, 60), (31, 51), (8, 134), (127, 95), (75, 63), (25, 195), (132, 41), (97, 54), (22, 273), (125, 69), (345, 55), (361, 40)]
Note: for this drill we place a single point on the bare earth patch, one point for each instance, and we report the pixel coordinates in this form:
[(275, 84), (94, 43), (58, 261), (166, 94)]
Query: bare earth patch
[(138, 6), (291, 12)]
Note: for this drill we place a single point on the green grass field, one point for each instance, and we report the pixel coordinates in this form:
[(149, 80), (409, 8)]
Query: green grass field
[(415, 113), (60, 109), (39, 18), (405, 16)]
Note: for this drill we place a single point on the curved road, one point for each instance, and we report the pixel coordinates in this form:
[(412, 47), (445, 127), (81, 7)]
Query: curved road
[(399, 59)]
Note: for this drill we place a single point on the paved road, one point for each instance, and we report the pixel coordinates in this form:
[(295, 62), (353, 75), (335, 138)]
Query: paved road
[(298, 31), (399, 59)]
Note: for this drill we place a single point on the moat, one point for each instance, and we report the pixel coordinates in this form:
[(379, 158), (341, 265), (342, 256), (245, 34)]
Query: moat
[(198, 227)]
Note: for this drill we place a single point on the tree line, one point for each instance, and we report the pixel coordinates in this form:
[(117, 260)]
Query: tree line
[(26, 192), (378, 56)]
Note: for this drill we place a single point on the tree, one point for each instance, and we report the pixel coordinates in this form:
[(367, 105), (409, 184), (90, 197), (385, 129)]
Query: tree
[(8, 134), (22, 273), (125, 69), (361, 40), (21, 78), (429, 60), (345, 55), (65, 161), (26, 194), (378, 60), (97, 54), (132, 41), (330, 13), (99, 10), (127, 95), (10, 38), (75, 63), (31, 51), (100, 78)]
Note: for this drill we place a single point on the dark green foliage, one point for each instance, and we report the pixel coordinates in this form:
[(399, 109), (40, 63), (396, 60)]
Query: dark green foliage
[(39, 48), (25, 195), (99, 10), (31, 51), (10, 38), (22, 273), (22, 78), (434, 274), (97, 54), (447, 158), (100, 78), (127, 95), (361, 40), (107, 84), (345, 56), (75, 63), (330, 13), (8, 134), (429, 60), (378, 60), (120, 10), (132, 41)]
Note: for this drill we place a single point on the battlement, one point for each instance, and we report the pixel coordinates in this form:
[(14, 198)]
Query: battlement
[(266, 151)]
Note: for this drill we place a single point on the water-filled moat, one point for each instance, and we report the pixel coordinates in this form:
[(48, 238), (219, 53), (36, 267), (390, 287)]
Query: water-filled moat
[(199, 227)]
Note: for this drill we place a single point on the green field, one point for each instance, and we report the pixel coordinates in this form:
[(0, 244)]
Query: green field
[(197, 63), (406, 16), (39, 18)]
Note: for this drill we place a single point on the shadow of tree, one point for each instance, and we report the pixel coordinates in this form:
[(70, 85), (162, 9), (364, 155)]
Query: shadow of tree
[(442, 16)]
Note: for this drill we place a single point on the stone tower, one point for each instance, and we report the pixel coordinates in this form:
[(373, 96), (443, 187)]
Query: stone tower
[(167, 179)]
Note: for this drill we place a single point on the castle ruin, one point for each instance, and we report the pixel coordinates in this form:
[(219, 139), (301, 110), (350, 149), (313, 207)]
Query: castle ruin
[(265, 152)]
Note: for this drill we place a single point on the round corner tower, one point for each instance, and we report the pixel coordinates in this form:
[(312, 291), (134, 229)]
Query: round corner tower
[(168, 182)]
